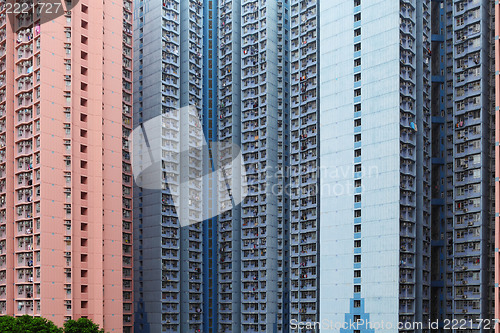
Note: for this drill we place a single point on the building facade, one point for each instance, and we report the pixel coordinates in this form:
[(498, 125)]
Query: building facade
[(456, 283), (261, 109), (168, 162), (268, 106), (239, 59), (375, 142), (228, 114), (65, 173), (210, 163), (463, 162), (304, 166)]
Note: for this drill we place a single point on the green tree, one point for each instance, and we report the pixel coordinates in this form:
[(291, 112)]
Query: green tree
[(82, 325), (28, 324), (7, 324)]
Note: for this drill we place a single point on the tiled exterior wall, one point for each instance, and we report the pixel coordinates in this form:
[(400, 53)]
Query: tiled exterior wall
[(64, 123)]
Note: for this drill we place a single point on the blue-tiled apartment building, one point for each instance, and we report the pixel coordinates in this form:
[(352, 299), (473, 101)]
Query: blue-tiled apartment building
[(463, 161), (168, 160), (253, 88), (375, 149), (312, 160)]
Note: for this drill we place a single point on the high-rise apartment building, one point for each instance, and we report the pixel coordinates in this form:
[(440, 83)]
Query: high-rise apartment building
[(229, 137), (65, 173), (463, 162), (375, 144), (210, 131), (227, 234), (168, 166), (234, 61), (263, 112), (304, 166), (391, 72), (268, 107), (438, 166)]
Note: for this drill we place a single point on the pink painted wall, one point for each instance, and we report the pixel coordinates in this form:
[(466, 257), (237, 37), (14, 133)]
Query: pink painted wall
[(93, 238)]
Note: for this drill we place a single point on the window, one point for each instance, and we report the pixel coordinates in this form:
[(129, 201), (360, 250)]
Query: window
[(357, 32), (357, 303), (357, 258), (357, 273), (357, 228), (357, 17), (357, 62)]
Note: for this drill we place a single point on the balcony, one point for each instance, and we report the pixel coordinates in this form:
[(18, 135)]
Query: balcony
[(25, 276), (24, 308), (25, 51)]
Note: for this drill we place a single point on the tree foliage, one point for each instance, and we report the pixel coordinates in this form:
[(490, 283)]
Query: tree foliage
[(7, 324), (82, 325), (28, 324)]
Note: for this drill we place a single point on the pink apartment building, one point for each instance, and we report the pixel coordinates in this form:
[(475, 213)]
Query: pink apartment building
[(65, 174)]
